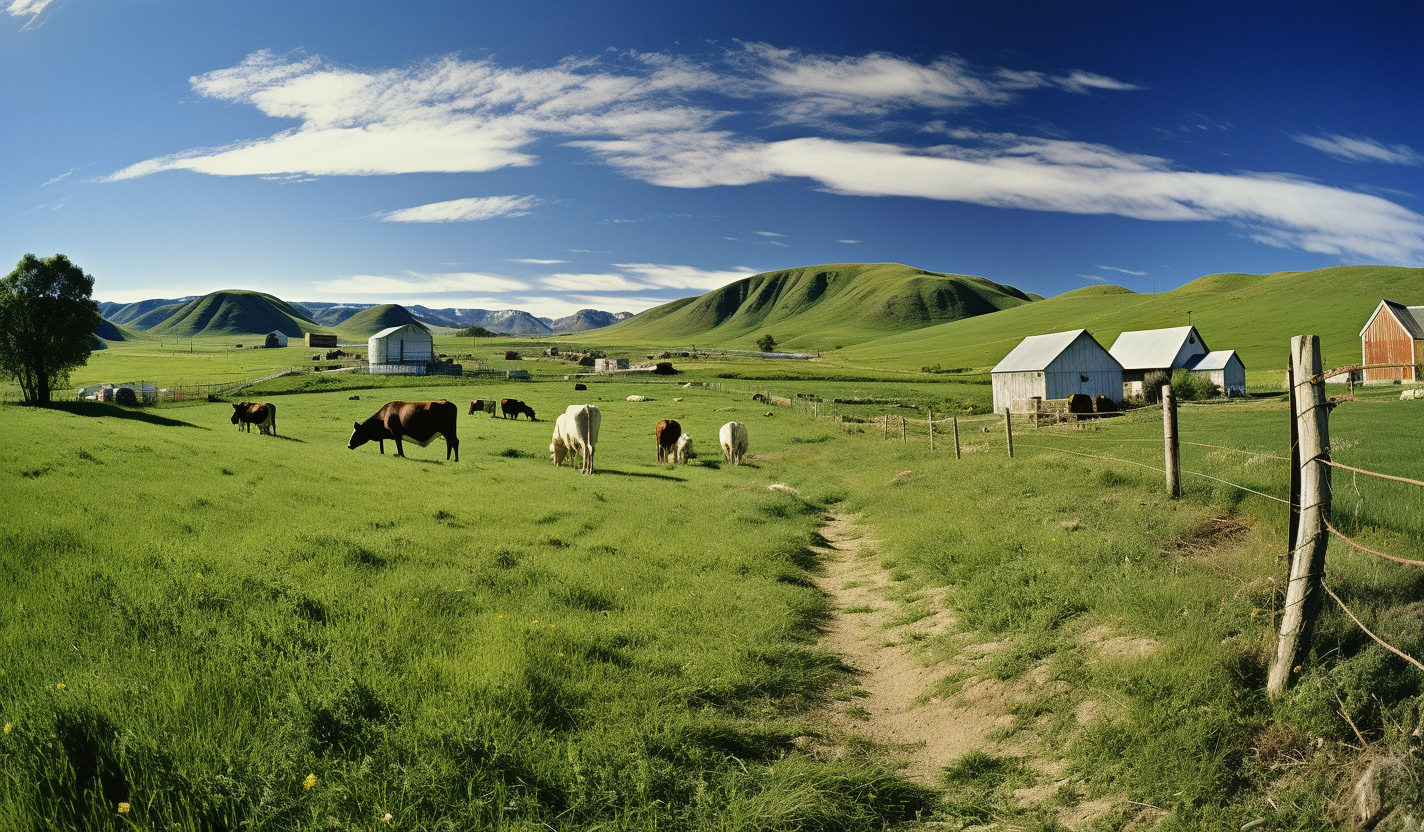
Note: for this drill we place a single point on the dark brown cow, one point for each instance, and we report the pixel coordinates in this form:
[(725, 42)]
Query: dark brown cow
[(418, 422), (513, 407), (483, 406), (666, 434), (261, 414)]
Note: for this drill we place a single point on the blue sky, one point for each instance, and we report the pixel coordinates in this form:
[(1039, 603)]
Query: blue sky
[(555, 156)]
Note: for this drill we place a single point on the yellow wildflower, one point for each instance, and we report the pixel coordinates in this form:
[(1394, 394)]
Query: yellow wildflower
[(309, 782), (9, 726), (387, 817), (60, 686), (536, 621), (124, 808), (1255, 612)]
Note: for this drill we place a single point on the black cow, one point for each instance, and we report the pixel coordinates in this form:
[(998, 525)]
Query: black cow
[(261, 414), (418, 422), (513, 407), (665, 435), (483, 406)]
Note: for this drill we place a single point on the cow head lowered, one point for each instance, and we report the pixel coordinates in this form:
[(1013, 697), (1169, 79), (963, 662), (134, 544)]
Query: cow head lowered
[(418, 422)]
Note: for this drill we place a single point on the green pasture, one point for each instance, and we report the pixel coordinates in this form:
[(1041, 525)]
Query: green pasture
[(200, 622)]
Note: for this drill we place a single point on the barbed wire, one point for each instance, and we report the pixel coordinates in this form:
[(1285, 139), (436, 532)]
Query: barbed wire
[(1334, 464), (1155, 468), (1352, 543), (1395, 650)]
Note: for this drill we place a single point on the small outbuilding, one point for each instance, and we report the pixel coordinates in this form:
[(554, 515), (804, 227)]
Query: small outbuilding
[(1394, 334), (1224, 368), (1055, 366), (320, 339), (275, 338), (405, 344), (1147, 351)]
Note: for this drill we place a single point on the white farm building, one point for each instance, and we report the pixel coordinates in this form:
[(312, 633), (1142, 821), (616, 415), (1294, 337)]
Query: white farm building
[(1225, 370), (393, 350), (1055, 366)]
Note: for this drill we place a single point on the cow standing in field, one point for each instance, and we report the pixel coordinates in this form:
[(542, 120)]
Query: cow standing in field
[(576, 432), (682, 451), (483, 406), (666, 434), (418, 422), (513, 407), (733, 437), (261, 414)]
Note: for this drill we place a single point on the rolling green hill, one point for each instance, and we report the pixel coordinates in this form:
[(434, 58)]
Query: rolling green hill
[(368, 322), (1256, 315), (110, 331), (234, 312), (816, 307)]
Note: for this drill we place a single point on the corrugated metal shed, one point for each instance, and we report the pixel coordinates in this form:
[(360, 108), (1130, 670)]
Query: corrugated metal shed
[(1036, 352), (1224, 368), (405, 344), (1158, 349), (1055, 366)]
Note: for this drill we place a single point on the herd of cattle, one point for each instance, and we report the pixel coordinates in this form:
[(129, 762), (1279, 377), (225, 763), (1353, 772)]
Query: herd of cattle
[(575, 431)]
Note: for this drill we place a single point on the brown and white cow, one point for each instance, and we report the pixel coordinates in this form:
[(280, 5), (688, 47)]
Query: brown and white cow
[(418, 422), (666, 434), (263, 415), (483, 406)]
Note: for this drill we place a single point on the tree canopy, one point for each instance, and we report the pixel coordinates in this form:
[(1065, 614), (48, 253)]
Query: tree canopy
[(47, 321), (766, 343)]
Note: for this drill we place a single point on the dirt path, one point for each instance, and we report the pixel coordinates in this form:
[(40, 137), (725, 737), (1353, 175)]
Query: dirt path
[(899, 707)]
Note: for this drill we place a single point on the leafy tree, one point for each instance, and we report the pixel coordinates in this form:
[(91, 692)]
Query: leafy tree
[(47, 321), (476, 332), (766, 343)]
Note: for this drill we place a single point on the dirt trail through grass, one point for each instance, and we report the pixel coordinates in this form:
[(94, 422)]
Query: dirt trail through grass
[(898, 707)]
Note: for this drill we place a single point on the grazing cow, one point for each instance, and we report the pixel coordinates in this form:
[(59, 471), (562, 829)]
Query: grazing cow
[(418, 422), (666, 434), (578, 387), (353, 398), (483, 406), (733, 437), (261, 414), (682, 451), (576, 432), (513, 407)]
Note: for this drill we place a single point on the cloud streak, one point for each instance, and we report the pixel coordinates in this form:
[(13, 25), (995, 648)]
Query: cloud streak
[(1361, 150), (464, 210)]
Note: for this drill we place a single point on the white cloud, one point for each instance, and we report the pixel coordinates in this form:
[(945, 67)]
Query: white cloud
[(23, 7), (769, 234), (1123, 271), (684, 277), (619, 304), (593, 282), (848, 242), (1362, 150), (413, 283), (536, 262), (464, 210)]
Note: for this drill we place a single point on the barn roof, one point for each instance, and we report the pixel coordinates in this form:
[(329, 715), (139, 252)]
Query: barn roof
[(1409, 317), (1036, 352), (1152, 349), (1213, 361), (391, 330)]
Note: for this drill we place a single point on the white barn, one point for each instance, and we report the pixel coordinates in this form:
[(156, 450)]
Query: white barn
[(1055, 366), (405, 344), (1225, 370), (1152, 350)]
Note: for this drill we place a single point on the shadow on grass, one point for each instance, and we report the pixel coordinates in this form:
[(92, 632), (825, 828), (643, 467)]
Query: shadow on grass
[(639, 474), (99, 409)]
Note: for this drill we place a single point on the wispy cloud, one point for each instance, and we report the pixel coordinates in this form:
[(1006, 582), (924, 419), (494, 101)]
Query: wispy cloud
[(1094, 278), (849, 242), (642, 277), (535, 262), (1123, 271), (769, 234), (412, 283), (464, 210), (18, 8), (1361, 150)]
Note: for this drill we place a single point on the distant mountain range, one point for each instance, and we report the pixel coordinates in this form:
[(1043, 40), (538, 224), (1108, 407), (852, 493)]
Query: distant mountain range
[(237, 312)]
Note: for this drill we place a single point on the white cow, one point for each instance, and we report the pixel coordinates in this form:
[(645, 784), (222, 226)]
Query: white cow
[(682, 451), (576, 432), (733, 437), (1417, 393)]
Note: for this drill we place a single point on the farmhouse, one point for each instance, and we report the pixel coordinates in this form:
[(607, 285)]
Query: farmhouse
[(1394, 334), (1055, 366), (318, 339), (401, 350), (1225, 370), (1156, 350), (275, 338)]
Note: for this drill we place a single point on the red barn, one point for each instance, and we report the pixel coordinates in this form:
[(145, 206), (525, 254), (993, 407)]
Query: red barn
[(1394, 334)]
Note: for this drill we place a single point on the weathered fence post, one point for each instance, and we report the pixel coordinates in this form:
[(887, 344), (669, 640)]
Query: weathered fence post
[(956, 437), (1308, 555), (903, 434), (886, 424), (1009, 431), (1173, 446), (930, 421)]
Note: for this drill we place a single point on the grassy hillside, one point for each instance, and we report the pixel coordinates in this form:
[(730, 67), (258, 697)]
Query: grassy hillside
[(234, 312), (110, 331), (817, 307), (1256, 315), (368, 322)]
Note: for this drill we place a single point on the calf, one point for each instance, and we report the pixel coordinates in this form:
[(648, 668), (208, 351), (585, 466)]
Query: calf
[(513, 407), (666, 434), (483, 406), (682, 451), (418, 422), (261, 414)]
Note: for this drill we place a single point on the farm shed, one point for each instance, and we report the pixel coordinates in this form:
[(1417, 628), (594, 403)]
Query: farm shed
[(1055, 366), (1225, 370), (400, 345), (318, 339), (1394, 334), (1156, 350), (275, 338)]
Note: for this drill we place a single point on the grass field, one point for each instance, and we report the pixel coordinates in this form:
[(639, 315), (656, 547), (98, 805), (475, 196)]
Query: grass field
[(230, 631)]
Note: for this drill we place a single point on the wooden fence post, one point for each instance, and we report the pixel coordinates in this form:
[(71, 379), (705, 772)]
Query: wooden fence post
[(956, 437), (903, 434), (1172, 445), (1308, 556), (930, 421), (1009, 431)]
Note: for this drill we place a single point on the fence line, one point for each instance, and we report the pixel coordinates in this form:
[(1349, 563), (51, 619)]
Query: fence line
[(1352, 543), (1333, 464), (1396, 651)]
